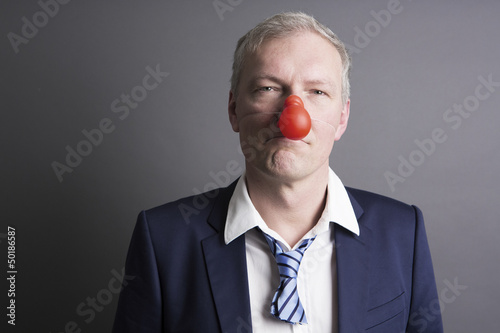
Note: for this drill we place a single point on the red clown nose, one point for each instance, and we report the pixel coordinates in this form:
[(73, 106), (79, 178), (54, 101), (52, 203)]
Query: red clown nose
[(295, 122)]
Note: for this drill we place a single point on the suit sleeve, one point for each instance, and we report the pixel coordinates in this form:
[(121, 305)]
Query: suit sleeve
[(425, 312), (139, 305)]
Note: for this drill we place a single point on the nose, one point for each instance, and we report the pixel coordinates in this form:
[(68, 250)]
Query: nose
[(294, 122), (293, 98)]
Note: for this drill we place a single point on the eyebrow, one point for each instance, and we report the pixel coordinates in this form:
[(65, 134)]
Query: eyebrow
[(265, 77), (276, 79), (320, 81)]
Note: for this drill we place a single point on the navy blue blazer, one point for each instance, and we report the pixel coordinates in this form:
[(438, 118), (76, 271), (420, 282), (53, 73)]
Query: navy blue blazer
[(186, 279)]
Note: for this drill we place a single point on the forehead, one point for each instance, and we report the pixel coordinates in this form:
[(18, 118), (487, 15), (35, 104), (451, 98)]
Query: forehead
[(299, 55)]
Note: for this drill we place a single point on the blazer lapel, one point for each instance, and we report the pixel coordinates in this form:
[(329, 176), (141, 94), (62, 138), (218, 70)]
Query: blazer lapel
[(227, 270), (353, 257)]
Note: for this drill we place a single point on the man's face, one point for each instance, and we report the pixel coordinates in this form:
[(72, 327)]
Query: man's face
[(303, 64)]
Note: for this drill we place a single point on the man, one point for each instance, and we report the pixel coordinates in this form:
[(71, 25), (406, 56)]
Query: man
[(286, 248)]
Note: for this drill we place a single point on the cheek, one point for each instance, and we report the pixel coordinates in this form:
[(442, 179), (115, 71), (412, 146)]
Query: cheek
[(324, 135), (253, 116), (325, 123), (327, 117), (258, 127)]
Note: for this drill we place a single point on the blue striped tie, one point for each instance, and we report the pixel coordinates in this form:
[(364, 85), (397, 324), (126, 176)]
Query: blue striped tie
[(286, 304)]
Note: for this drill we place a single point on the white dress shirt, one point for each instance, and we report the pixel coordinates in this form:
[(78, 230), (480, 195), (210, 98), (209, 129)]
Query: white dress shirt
[(317, 277)]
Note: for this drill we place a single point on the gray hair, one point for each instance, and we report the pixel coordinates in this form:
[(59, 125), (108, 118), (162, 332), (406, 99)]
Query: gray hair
[(280, 26)]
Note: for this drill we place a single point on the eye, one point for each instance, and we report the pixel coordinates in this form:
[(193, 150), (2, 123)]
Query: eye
[(319, 92), (265, 89)]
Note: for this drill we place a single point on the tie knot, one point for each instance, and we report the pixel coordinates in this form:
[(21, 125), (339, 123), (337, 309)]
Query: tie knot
[(288, 262)]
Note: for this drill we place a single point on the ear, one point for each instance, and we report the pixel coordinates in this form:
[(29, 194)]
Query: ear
[(344, 118), (231, 108)]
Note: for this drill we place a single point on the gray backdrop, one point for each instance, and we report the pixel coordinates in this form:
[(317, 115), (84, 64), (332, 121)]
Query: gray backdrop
[(423, 129)]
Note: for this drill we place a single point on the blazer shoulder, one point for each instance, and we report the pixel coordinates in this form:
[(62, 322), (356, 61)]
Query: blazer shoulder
[(384, 213), (189, 211), (369, 200)]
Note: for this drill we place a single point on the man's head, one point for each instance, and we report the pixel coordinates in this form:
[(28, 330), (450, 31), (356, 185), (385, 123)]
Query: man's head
[(290, 58), (280, 26)]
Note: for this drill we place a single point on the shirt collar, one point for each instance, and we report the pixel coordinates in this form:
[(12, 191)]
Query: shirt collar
[(242, 215)]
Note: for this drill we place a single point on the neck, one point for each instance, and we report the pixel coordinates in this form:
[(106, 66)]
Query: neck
[(292, 207)]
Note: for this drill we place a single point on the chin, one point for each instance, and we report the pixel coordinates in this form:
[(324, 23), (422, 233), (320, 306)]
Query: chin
[(287, 166)]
